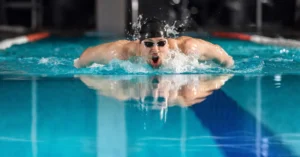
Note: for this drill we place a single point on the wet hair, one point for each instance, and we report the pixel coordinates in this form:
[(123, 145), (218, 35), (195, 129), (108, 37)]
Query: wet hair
[(152, 28)]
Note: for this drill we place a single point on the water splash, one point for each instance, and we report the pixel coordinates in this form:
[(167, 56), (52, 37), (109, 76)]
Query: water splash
[(179, 63), (171, 30), (136, 27)]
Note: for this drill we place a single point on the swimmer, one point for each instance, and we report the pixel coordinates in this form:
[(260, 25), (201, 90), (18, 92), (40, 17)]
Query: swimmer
[(153, 45)]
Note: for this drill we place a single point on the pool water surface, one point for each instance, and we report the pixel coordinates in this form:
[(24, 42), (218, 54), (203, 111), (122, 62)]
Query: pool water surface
[(50, 108)]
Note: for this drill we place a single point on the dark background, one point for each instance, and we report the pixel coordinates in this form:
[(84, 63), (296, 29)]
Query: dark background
[(237, 15)]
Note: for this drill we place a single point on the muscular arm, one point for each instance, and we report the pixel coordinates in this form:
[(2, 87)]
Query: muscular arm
[(104, 53), (205, 50)]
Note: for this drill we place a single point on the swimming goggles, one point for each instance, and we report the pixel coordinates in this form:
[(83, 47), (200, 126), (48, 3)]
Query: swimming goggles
[(150, 44)]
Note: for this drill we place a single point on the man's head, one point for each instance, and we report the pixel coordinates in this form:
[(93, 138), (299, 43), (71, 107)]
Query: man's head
[(153, 42)]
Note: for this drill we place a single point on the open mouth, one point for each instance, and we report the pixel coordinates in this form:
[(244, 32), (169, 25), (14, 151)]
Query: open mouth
[(155, 59)]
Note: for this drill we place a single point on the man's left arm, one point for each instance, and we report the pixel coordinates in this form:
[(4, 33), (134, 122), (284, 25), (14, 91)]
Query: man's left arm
[(217, 53), (205, 50)]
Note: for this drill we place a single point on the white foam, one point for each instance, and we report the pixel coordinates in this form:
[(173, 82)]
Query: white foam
[(175, 62), (75, 63), (43, 61), (96, 65), (51, 61), (179, 62)]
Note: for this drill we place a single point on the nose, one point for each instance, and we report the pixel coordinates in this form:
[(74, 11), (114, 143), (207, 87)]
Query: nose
[(154, 48)]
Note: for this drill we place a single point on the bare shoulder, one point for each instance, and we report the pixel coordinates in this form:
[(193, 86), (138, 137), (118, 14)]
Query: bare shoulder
[(125, 48), (103, 53), (173, 44), (105, 47), (184, 42), (179, 42), (131, 48)]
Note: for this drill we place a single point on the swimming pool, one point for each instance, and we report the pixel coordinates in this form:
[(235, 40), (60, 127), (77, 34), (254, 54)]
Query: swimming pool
[(50, 108)]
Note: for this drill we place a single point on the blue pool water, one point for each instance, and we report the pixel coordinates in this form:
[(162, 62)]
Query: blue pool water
[(50, 108), (55, 56)]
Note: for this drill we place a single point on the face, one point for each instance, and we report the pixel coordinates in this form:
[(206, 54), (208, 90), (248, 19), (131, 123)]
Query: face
[(154, 50)]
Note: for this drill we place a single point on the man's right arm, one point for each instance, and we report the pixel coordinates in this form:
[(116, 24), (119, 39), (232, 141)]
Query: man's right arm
[(103, 53)]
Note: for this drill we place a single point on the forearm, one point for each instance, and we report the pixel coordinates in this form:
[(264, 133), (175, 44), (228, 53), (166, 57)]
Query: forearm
[(219, 54), (93, 55), (214, 52)]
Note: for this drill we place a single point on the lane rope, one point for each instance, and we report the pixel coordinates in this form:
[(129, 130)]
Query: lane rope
[(7, 43), (258, 39)]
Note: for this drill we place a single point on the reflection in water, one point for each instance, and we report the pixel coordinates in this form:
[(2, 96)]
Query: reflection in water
[(184, 115), (157, 92), (277, 79), (225, 118), (233, 129)]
